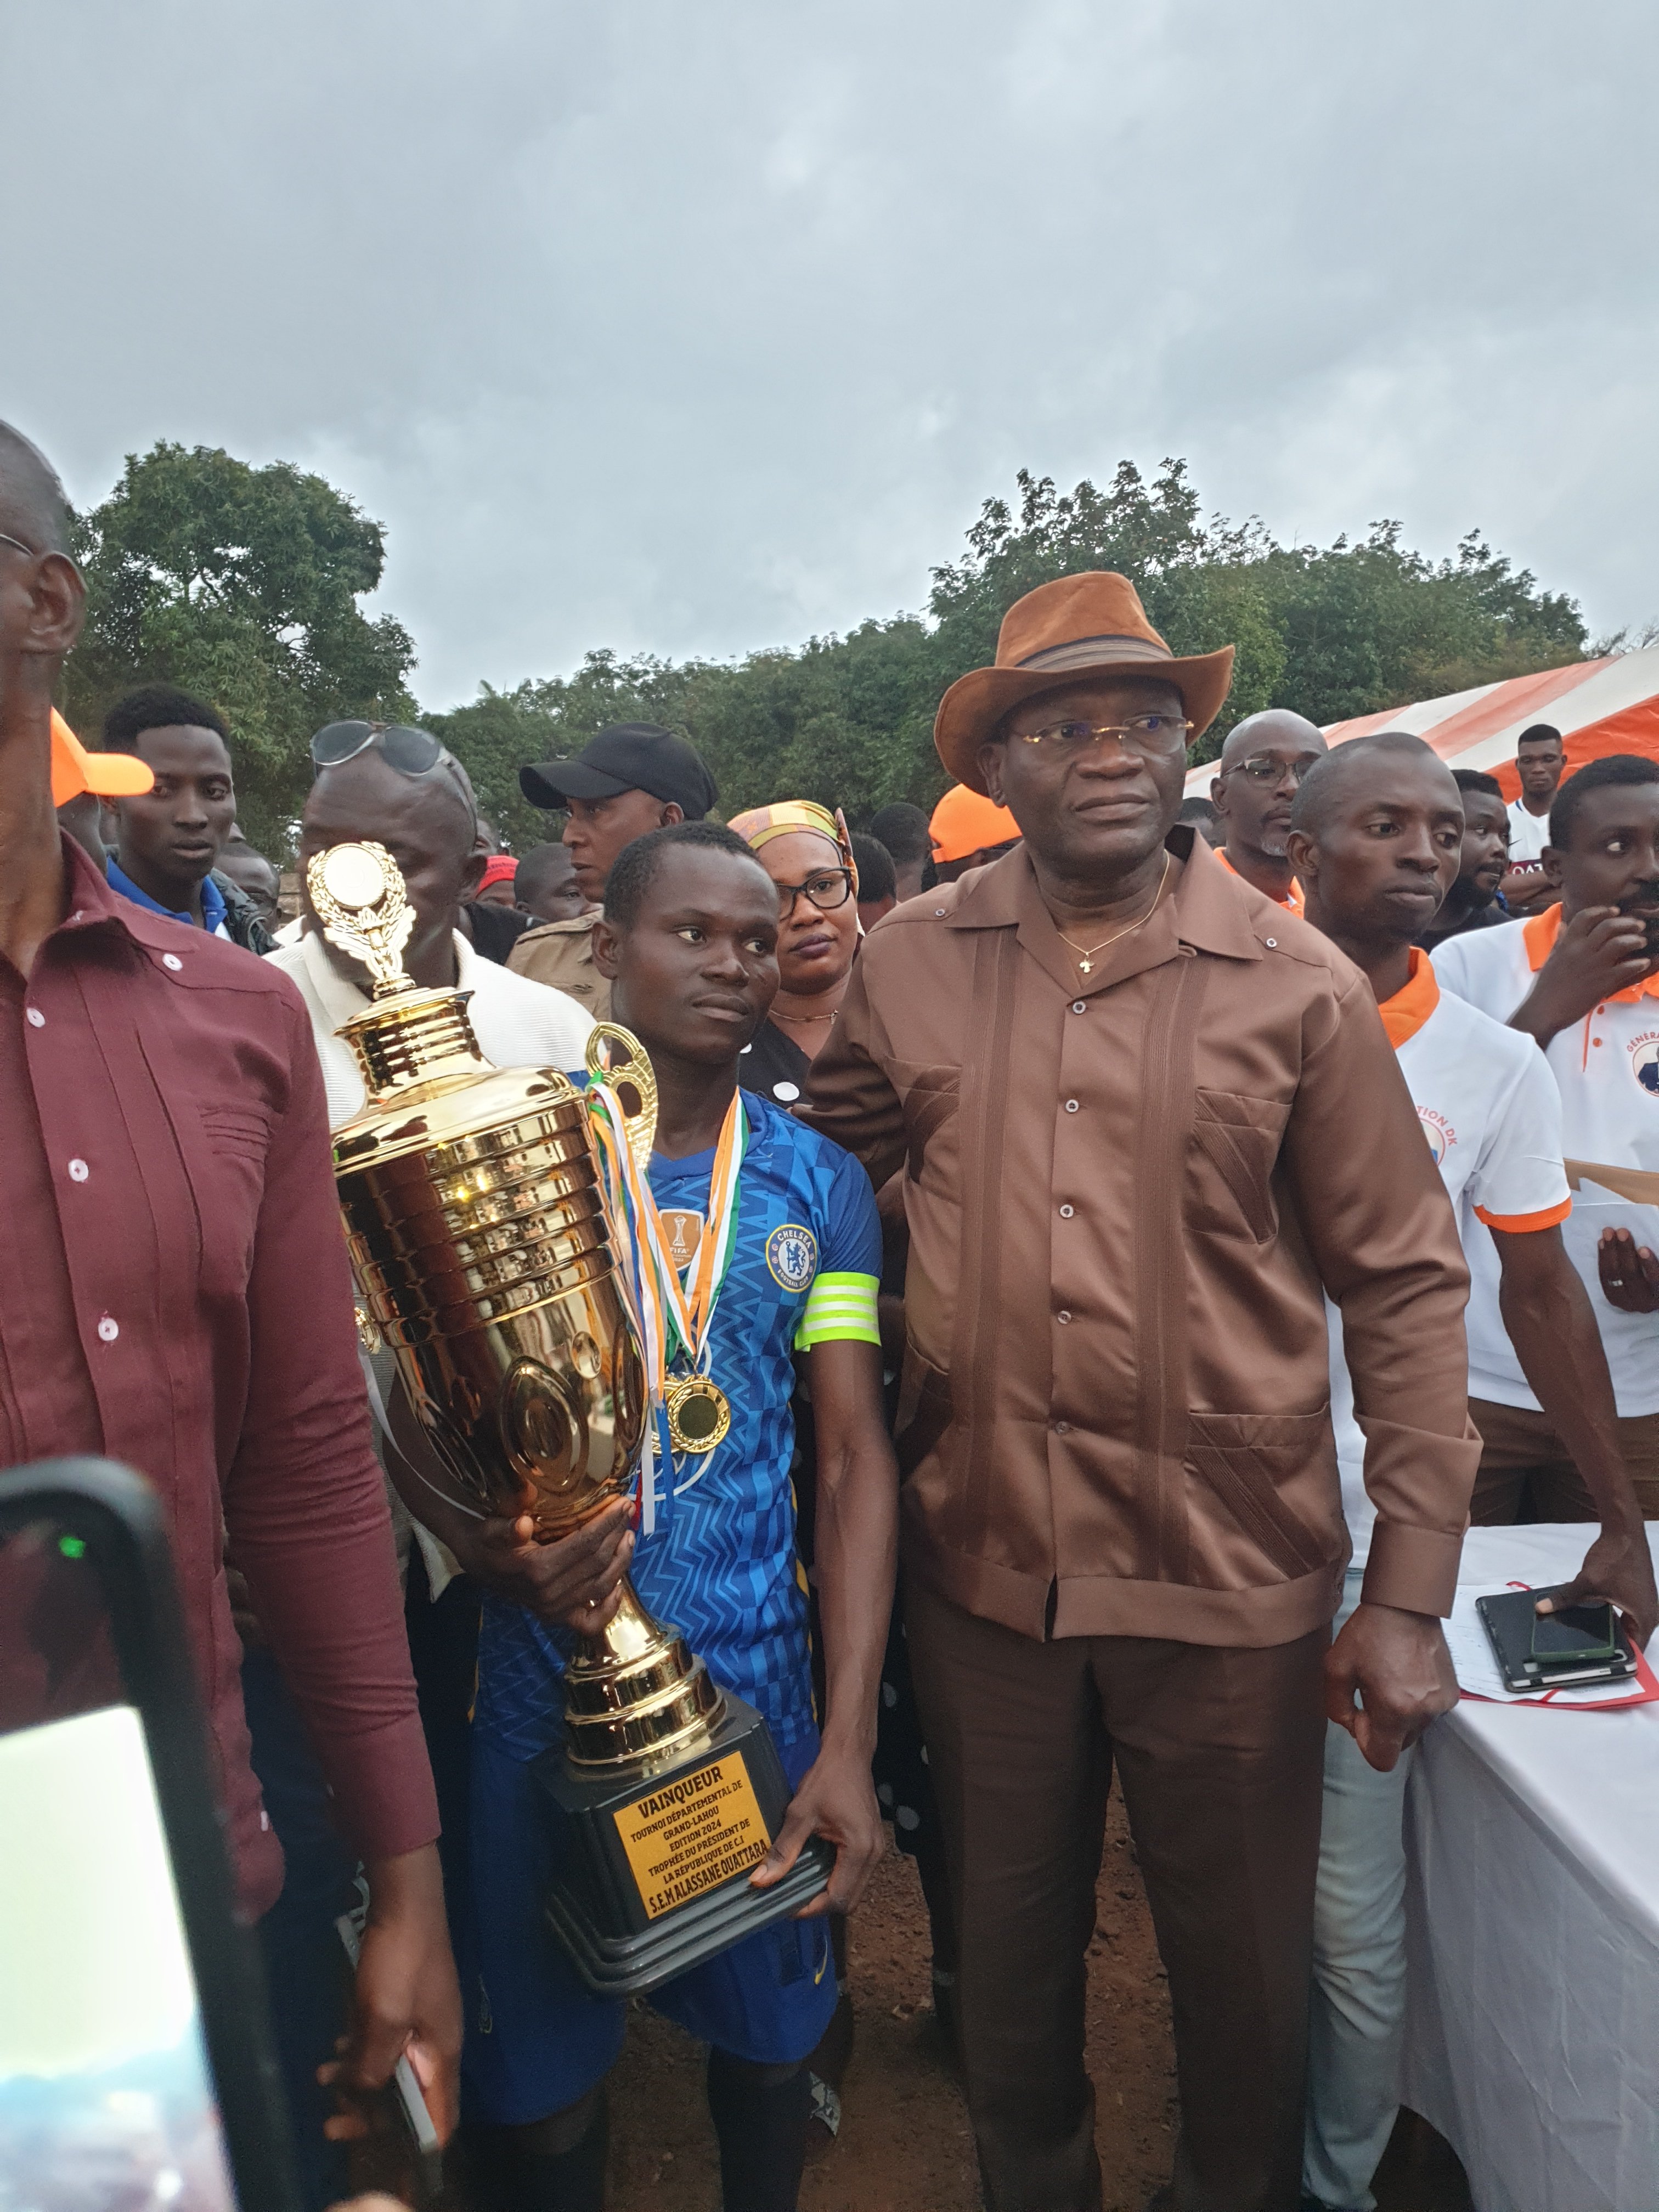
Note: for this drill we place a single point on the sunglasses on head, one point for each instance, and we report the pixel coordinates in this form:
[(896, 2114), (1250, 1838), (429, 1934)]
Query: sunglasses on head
[(411, 752)]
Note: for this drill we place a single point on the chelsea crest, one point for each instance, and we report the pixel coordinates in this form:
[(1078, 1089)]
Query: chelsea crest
[(791, 1254)]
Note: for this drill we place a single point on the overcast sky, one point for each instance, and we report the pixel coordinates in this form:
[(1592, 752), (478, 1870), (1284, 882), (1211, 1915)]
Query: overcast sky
[(701, 328)]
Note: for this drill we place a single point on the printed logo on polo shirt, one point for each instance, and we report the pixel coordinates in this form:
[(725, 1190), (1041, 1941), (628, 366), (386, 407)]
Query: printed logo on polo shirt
[(791, 1254), (1438, 1130), (1645, 1061)]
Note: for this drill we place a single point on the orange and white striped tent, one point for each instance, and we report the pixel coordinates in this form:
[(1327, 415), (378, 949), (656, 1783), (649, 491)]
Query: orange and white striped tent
[(1609, 705)]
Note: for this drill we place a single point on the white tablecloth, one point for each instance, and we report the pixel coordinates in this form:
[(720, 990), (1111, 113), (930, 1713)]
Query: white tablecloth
[(1533, 1907)]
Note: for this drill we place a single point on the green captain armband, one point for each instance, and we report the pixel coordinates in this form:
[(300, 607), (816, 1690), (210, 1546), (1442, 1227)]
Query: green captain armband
[(838, 1307)]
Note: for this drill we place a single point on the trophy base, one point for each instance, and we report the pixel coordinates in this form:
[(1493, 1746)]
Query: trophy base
[(651, 1870)]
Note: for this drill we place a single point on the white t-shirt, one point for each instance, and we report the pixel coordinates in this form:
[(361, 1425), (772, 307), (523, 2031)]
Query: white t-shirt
[(1607, 1072), (1528, 833), (518, 1024), (1493, 1120)]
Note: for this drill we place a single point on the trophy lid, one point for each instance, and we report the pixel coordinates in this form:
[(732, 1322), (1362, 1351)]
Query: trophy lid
[(409, 1034), (357, 893)]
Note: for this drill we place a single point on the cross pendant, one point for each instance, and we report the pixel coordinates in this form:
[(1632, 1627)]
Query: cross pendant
[(1085, 967)]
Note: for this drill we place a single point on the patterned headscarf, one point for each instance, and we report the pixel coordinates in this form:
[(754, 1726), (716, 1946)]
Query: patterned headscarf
[(762, 823)]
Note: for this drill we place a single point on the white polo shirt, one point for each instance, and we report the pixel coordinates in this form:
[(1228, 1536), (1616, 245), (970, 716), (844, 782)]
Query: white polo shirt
[(1493, 1120), (1607, 1071), (518, 1024), (1528, 833)]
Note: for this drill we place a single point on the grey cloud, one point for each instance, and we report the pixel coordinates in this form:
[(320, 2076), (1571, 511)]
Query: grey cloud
[(695, 329)]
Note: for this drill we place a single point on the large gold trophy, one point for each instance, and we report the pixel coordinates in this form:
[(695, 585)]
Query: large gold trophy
[(477, 1218)]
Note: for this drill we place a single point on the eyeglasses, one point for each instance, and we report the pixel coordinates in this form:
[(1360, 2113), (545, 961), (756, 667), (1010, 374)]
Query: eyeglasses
[(1149, 735), (411, 752), (1261, 769), (6, 538), (826, 890)]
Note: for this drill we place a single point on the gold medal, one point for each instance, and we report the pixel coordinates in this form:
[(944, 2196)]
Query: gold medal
[(699, 1414)]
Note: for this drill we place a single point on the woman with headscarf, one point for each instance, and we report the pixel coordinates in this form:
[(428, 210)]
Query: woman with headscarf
[(808, 853)]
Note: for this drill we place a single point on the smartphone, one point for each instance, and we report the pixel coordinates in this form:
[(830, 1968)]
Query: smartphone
[(135, 2061), (1578, 1632), (423, 2178), (1548, 1650)]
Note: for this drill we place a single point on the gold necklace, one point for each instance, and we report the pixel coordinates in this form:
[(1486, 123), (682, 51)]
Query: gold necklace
[(1085, 966), (807, 1017)]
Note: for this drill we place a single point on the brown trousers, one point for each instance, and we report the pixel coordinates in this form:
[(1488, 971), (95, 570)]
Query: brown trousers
[(1528, 1474), (1219, 1752)]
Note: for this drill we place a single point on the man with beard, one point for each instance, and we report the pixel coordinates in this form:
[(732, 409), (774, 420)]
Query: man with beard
[(1261, 763), (1475, 900), (1581, 979)]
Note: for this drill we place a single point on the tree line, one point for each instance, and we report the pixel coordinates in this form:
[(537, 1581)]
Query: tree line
[(242, 584)]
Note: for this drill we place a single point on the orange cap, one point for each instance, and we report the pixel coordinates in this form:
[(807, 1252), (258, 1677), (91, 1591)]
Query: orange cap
[(966, 822), (74, 769)]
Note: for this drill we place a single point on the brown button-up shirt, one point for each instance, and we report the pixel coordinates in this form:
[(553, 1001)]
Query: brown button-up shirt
[(176, 1294), (561, 955), (1126, 1192)]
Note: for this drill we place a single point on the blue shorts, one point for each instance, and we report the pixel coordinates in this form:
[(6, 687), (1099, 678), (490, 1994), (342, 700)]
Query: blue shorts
[(536, 2039)]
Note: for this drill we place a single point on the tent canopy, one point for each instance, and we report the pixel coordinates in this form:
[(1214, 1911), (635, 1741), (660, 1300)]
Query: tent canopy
[(1609, 705)]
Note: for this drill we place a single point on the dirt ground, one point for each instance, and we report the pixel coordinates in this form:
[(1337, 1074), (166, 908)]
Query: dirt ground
[(904, 2144)]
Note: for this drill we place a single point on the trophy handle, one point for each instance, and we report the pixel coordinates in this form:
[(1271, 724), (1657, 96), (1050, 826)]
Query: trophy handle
[(615, 1056)]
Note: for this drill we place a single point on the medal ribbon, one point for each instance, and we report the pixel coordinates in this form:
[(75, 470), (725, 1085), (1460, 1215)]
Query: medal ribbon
[(691, 1310), (670, 1323)]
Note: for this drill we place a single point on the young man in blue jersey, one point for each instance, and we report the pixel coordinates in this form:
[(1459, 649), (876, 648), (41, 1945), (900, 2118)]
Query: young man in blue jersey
[(689, 943)]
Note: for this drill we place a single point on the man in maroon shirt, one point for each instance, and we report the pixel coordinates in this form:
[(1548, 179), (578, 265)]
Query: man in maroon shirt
[(178, 1298)]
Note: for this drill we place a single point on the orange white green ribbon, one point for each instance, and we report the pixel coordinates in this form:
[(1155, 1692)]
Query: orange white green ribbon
[(673, 1319)]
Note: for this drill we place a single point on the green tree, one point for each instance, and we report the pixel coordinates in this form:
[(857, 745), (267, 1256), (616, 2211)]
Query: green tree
[(244, 584), (241, 583), (1332, 632)]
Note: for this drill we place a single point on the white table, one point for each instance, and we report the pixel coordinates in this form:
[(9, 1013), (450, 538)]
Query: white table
[(1533, 1912)]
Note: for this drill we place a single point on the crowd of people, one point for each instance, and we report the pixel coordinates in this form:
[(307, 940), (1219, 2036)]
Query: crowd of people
[(1153, 1245)]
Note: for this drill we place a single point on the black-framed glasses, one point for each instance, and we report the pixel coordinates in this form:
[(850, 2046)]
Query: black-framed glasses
[(6, 538), (825, 888), (411, 752), (1151, 735), (1261, 769)]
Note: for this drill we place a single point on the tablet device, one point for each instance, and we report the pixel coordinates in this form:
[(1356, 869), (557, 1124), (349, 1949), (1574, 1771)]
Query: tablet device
[(1545, 1651)]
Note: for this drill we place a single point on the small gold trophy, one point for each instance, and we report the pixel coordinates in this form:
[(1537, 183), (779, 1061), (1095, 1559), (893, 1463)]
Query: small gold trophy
[(477, 1221)]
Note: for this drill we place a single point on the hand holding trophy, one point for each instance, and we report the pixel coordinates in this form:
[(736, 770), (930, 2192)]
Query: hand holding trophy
[(484, 1245)]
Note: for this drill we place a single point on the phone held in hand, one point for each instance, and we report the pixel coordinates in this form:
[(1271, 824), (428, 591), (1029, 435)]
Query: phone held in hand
[(1548, 1650), (422, 2177)]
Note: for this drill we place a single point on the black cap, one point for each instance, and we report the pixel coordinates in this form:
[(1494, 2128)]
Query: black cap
[(628, 756)]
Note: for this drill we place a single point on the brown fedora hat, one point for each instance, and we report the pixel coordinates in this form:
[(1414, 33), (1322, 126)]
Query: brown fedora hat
[(1091, 624)]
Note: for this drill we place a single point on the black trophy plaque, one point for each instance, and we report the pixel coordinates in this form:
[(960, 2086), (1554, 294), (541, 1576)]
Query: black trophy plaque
[(651, 1870)]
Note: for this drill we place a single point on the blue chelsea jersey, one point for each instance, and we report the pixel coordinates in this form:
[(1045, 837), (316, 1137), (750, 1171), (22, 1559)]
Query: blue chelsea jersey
[(721, 1565)]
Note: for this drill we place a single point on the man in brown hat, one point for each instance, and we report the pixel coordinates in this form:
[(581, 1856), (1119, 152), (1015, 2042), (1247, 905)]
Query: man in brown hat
[(1145, 1119)]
